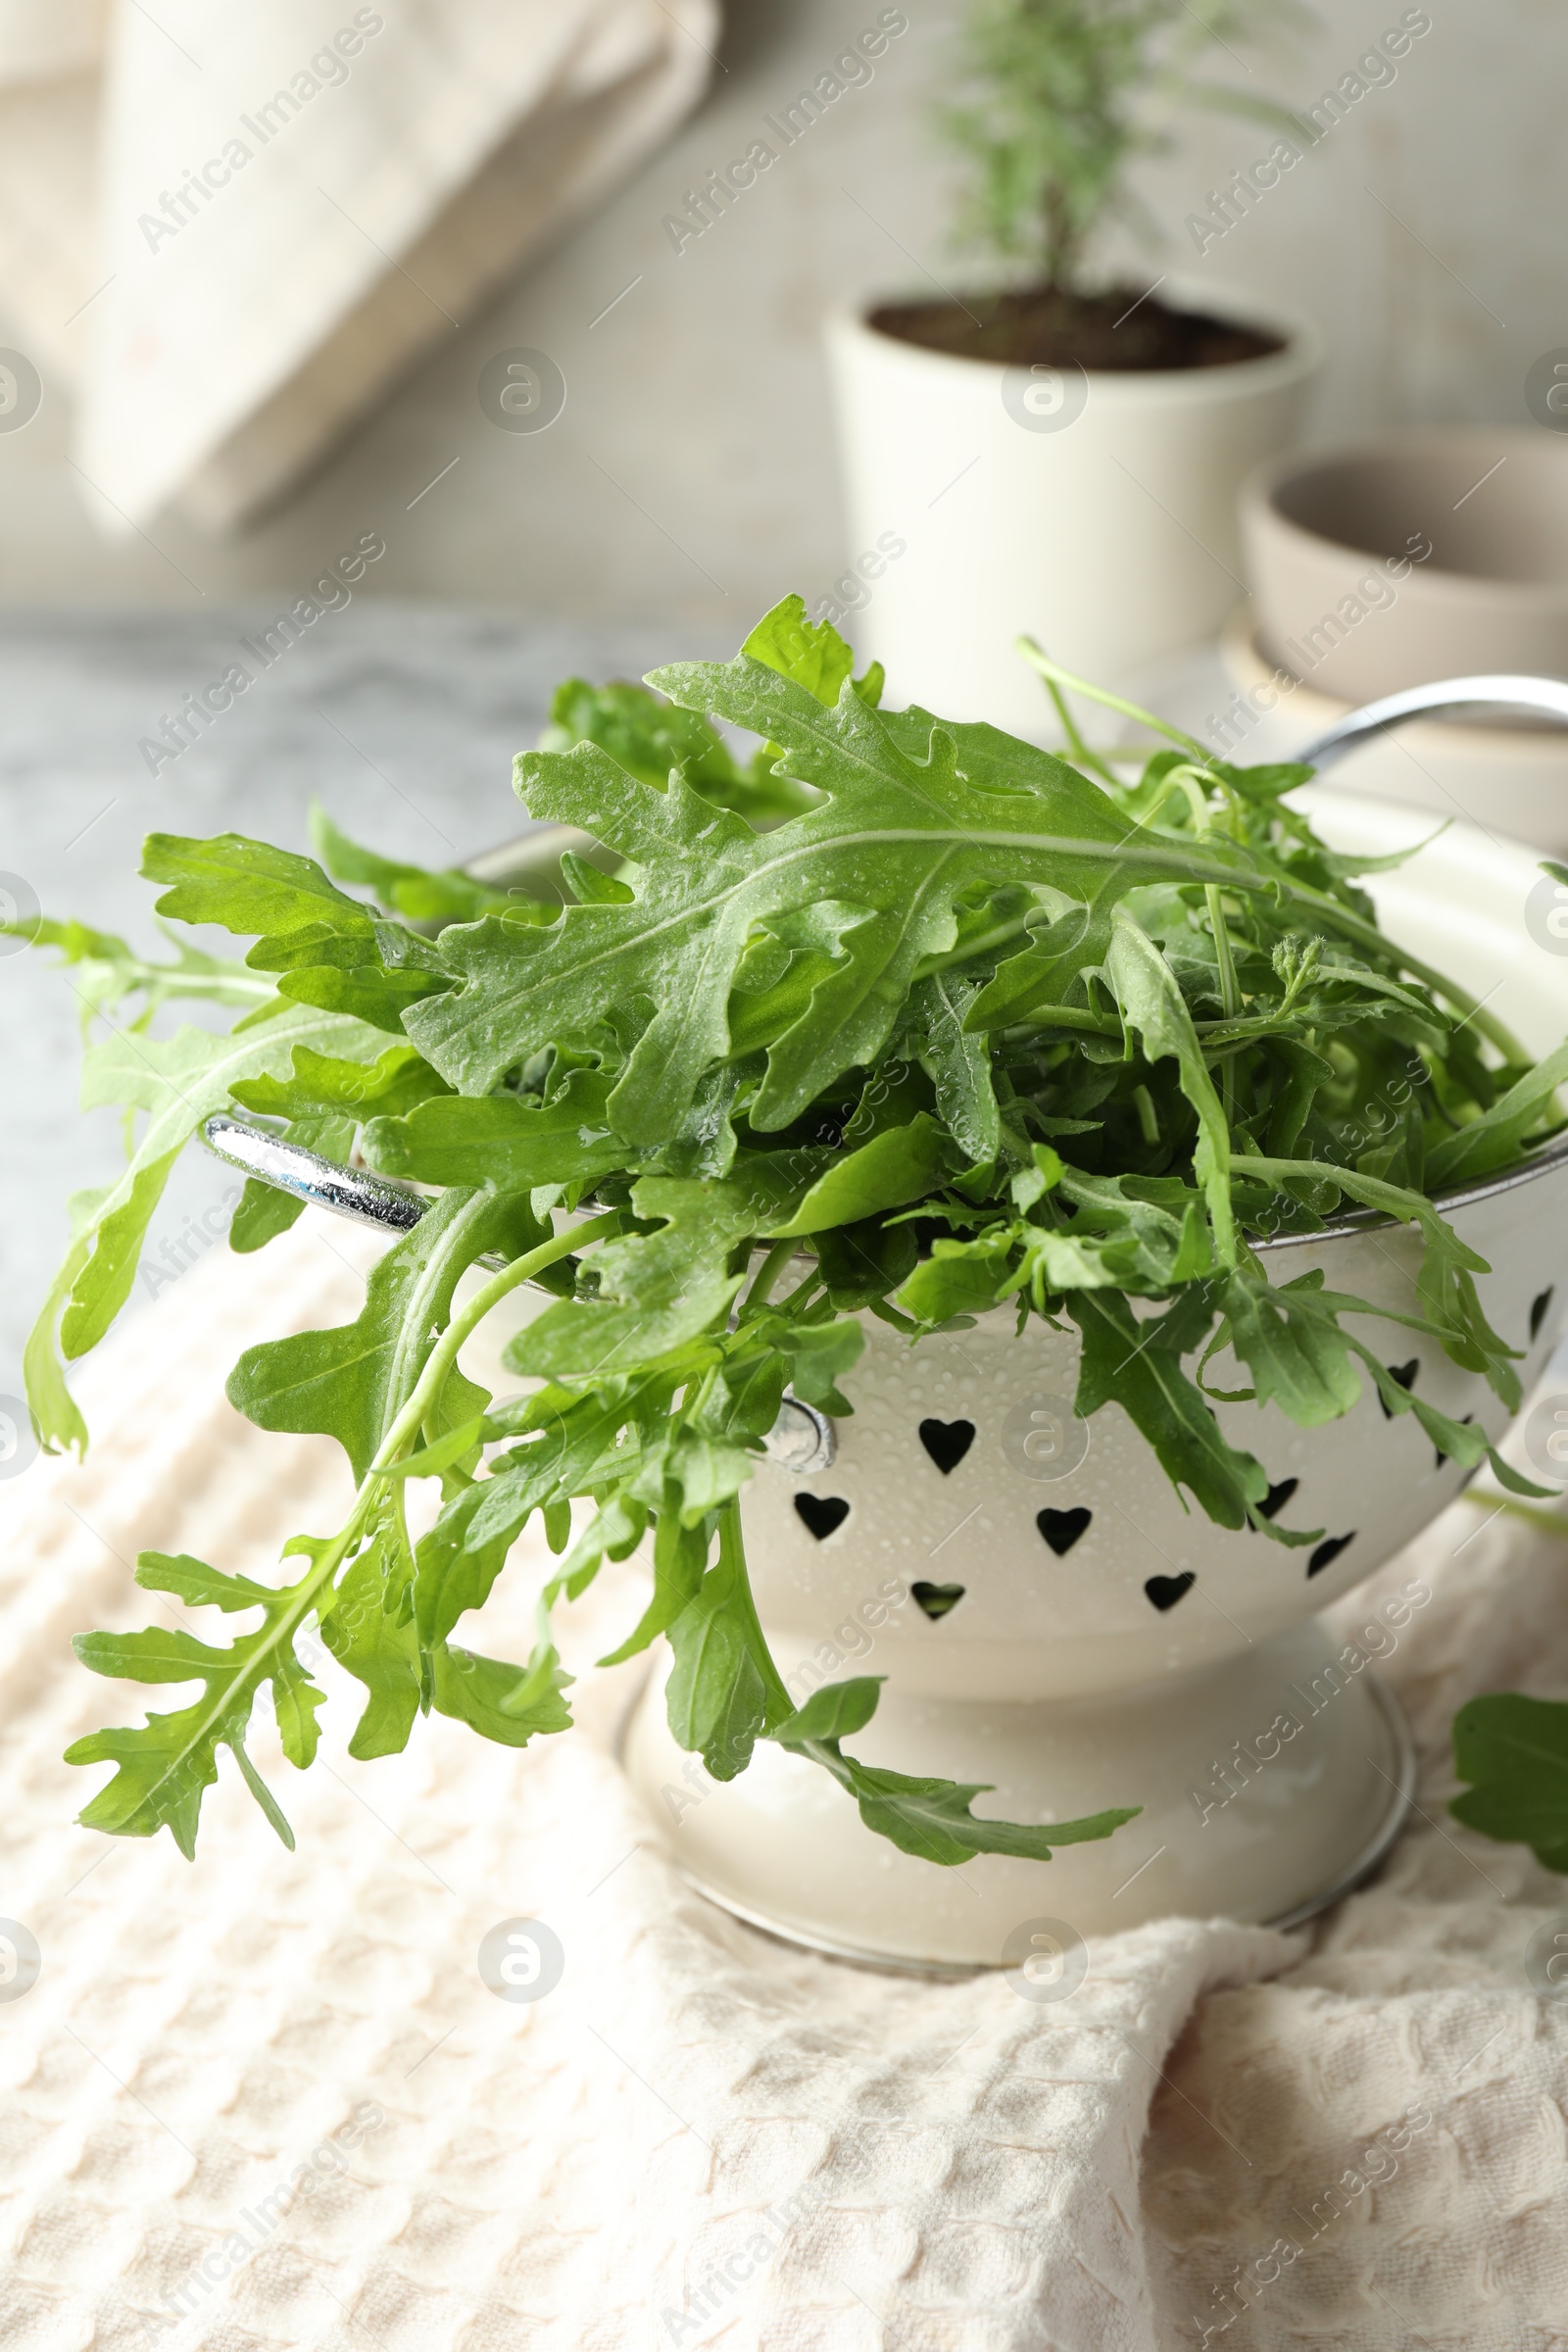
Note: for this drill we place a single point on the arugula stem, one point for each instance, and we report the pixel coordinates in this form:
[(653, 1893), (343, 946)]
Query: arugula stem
[(1550, 1523), (1066, 1016), (1076, 744), (1229, 990), (1192, 785), (1148, 1117), (1053, 673), (800, 1293), (444, 1354), (767, 1273), (1229, 994), (405, 1428)]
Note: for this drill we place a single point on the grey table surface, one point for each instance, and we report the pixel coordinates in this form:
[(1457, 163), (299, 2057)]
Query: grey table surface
[(401, 719)]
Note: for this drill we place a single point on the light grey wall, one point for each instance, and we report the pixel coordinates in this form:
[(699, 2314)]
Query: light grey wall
[(692, 473)]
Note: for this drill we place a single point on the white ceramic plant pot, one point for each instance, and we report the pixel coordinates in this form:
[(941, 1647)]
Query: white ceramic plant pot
[(1094, 512), (1052, 1622)]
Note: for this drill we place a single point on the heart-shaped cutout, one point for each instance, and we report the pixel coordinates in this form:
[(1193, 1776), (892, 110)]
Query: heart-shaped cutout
[(1277, 1498), (946, 1442), (1166, 1591), (1062, 1529), (936, 1599), (822, 1513), (1405, 1374), (1328, 1551)]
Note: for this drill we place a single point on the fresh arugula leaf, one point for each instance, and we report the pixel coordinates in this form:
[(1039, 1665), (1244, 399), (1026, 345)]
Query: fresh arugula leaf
[(250, 888), (510, 1704), (569, 1441), (958, 1065), (568, 1140), (724, 1689), (1495, 1137), (369, 1630), (1152, 1004), (1140, 1365), (322, 1085), (1514, 1751), (915, 833), (811, 653), (447, 897), (929, 1819), (163, 1766), (179, 1083), (648, 737), (589, 887), (106, 972), (680, 1558), (350, 1382), (899, 1165)]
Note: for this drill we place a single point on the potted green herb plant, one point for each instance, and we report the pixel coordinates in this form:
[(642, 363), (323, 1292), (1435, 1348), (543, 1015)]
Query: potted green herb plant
[(930, 1166), (1062, 454)]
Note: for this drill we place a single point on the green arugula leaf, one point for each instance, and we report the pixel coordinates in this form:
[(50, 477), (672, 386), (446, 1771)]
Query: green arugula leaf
[(899, 1165), (1448, 1266), (322, 1085), (1140, 1365), (930, 1819), (351, 1382), (251, 888), (163, 1766), (680, 1558), (1152, 1004), (510, 1704), (569, 1442), (447, 897), (724, 1689), (325, 946), (106, 971), (913, 833), (1495, 1139), (179, 1083), (589, 887), (648, 737), (1049, 973), (656, 1291), (1515, 1752), (568, 1140), (958, 1065), (369, 1630), (811, 653), (1294, 1349)]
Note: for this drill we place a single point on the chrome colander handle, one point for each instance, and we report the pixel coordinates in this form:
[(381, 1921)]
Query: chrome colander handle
[(352, 1193), (1546, 697)]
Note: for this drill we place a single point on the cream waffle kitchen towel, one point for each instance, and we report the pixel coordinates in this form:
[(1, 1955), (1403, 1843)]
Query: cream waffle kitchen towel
[(231, 228), (266, 2101)]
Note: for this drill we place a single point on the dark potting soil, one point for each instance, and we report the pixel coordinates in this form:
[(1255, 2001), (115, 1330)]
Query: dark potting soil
[(1043, 327)]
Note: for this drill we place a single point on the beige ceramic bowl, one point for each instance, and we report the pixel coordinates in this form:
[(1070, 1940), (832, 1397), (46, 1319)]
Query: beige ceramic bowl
[(1398, 564)]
